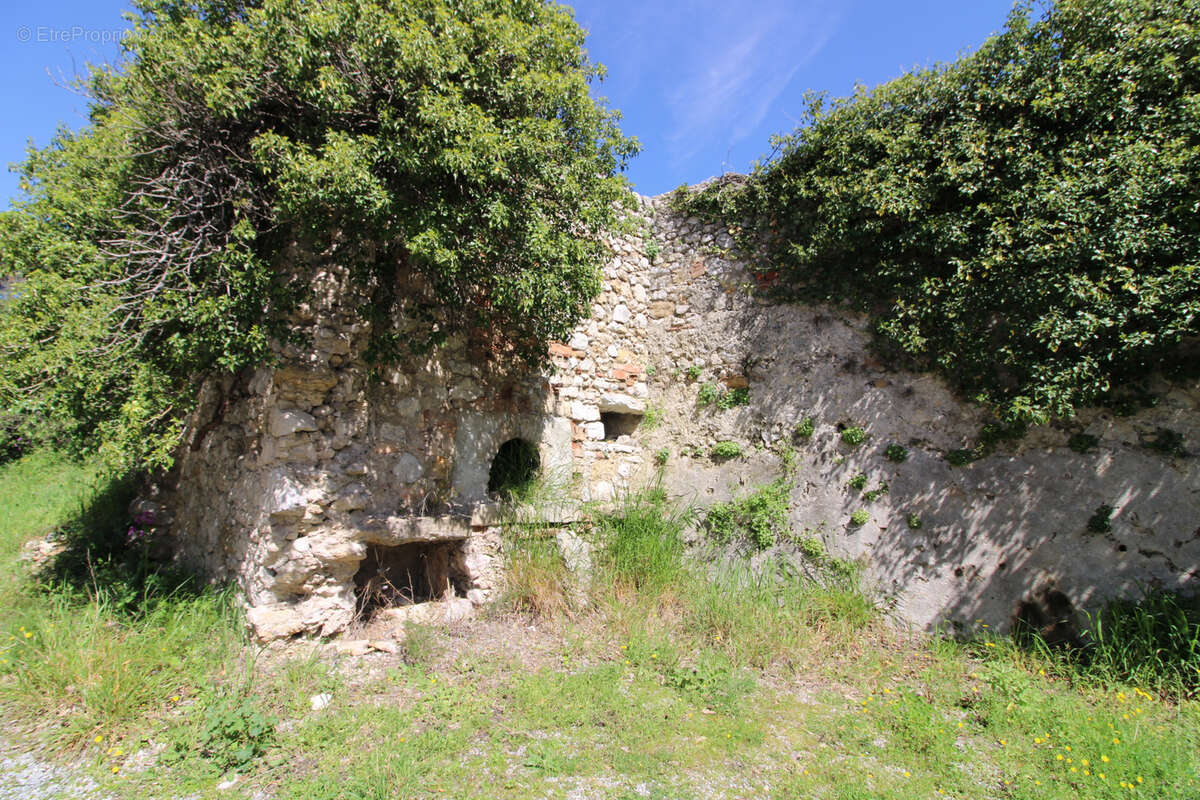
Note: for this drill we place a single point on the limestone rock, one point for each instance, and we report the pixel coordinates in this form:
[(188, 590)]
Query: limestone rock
[(285, 422)]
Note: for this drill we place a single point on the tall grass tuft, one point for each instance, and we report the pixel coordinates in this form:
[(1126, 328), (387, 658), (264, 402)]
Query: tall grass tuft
[(641, 541), (1153, 642), (100, 639)]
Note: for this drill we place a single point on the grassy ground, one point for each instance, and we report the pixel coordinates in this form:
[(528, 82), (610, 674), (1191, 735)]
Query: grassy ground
[(657, 681)]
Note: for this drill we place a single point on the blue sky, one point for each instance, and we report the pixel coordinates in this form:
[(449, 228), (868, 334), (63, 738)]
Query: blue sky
[(702, 84)]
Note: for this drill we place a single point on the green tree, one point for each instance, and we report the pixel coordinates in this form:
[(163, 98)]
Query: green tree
[(452, 143), (1024, 219)]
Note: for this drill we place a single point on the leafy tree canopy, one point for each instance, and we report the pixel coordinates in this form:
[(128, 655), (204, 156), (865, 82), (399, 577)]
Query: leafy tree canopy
[(456, 137), (1026, 219)]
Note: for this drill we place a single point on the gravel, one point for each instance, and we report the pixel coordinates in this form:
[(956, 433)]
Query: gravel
[(24, 776)]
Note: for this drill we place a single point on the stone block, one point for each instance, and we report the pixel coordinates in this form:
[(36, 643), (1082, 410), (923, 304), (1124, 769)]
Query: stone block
[(286, 422)]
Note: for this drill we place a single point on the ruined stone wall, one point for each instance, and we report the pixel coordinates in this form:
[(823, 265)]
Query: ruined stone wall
[(289, 474)]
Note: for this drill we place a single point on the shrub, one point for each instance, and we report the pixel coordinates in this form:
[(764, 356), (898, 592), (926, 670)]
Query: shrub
[(459, 141), (723, 451), (988, 209), (859, 517), (853, 436), (897, 453)]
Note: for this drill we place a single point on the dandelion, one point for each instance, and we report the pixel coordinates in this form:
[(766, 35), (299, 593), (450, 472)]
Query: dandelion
[(1116, 740), (1139, 779), (1100, 775), (1086, 763), (98, 739), (1059, 757), (990, 644), (28, 635), (115, 770), (1104, 759)]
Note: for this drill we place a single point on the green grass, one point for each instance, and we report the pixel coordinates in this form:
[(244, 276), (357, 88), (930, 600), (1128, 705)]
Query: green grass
[(673, 674), (102, 649)]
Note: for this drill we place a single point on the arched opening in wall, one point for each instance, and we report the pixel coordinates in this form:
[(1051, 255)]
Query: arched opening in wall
[(405, 574), (617, 424), (515, 465)]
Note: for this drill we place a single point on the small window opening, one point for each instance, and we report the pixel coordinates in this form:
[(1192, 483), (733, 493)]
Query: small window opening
[(515, 465), (617, 425), (405, 574)]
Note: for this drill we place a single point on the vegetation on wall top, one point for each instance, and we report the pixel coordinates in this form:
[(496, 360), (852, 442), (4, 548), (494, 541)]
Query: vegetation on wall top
[(450, 150), (1026, 219)]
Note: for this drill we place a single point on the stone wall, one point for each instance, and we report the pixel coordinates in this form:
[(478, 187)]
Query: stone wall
[(289, 474)]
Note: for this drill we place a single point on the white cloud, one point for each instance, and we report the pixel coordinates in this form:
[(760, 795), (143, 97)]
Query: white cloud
[(743, 61)]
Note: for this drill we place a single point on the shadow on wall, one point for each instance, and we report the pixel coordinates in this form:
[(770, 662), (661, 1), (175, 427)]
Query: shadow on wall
[(1009, 529)]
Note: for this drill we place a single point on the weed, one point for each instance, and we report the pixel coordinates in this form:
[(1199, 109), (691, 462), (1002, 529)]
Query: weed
[(653, 248), (536, 579), (759, 517), (694, 372), (813, 549), (859, 517), (421, 644), (708, 395), (235, 732), (789, 459), (857, 482), (662, 456), (711, 681), (876, 493), (1101, 520), (651, 371), (804, 428), (1168, 442), (853, 436), (896, 453), (714, 394), (723, 451), (1083, 442), (913, 520), (652, 418), (960, 457)]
